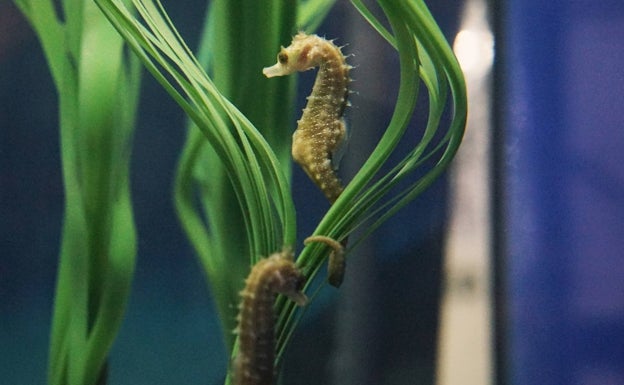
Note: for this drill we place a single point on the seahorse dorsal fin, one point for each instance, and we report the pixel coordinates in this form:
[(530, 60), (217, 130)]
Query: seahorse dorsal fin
[(341, 149)]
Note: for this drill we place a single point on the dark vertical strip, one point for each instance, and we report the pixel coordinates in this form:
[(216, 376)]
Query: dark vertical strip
[(498, 220)]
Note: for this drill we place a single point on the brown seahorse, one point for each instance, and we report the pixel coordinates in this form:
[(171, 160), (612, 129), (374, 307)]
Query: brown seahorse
[(321, 129), (253, 364)]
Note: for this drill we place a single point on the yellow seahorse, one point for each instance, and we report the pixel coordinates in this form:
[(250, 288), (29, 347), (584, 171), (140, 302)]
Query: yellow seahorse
[(321, 129)]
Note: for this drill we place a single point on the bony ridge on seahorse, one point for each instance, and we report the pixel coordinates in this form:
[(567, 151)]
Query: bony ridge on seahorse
[(321, 130)]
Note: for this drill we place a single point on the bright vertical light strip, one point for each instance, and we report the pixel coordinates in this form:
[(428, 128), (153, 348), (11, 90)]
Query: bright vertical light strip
[(465, 353)]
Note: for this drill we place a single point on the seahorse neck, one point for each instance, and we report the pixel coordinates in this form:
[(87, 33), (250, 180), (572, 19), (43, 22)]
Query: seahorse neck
[(330, 92)]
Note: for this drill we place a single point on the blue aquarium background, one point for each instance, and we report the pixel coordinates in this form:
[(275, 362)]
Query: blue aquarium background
[(558, 213), (561, 119)]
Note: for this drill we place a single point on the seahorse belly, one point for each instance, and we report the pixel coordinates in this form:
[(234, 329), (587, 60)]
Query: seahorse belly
[(314, 151)]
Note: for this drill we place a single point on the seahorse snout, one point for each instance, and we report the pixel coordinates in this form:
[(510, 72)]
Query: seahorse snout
[(275, 70)]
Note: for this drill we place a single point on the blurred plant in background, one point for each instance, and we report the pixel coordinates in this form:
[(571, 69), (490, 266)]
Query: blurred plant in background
[(232, 188), (97, 88)]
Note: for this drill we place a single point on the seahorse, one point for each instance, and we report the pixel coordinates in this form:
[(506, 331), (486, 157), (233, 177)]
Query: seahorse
[(321, 130), (253, 364)]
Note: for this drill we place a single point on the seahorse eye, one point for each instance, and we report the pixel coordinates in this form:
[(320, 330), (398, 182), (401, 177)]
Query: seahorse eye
[(282, 57)]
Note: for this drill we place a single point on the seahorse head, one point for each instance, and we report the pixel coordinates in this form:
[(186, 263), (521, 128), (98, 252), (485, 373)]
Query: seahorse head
[(296, 57)]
